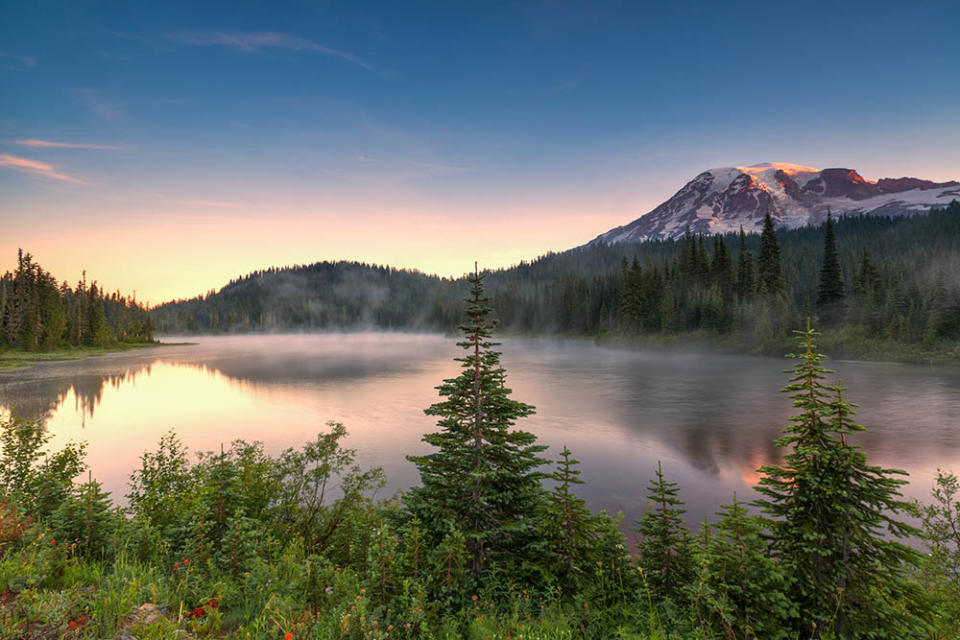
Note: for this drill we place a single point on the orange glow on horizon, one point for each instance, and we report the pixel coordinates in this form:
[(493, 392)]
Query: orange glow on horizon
[(163, 257)]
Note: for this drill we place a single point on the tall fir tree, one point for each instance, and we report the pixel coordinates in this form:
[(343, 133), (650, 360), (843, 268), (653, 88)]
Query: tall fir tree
[(578, 539), (769, 268), (483, 480), (830, 297), (834, 519), (746, 279), (721, 268), (745, 590), (664, 552)]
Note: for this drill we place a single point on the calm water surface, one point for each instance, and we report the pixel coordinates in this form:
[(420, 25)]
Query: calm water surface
[(711, 419)]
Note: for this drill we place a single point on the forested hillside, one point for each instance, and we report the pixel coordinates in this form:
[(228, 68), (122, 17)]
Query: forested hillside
[(892, 278), (37, 313)]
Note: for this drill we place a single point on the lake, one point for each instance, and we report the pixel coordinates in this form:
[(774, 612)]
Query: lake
[(710, 418)]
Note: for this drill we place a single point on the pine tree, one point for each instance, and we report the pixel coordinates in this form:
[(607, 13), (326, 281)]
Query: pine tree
[(830, 298), (482, 481), (769, 269), (664, 551), (570, 525), (746, 589), (746, 280), (87, 516), (834, 518), (96, 331), (721, 267)]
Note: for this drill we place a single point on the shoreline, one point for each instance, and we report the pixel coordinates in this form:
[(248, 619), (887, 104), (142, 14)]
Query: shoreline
[(15, 360)]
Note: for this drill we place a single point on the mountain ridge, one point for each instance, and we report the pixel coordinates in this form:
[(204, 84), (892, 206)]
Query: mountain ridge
[(723, 199)]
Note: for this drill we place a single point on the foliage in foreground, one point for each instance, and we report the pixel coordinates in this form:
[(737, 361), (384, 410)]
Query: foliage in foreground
[(243, 544)]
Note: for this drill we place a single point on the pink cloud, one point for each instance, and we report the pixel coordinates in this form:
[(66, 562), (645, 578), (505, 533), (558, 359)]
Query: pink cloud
[(50, 144), (40, 168), (211, 203)]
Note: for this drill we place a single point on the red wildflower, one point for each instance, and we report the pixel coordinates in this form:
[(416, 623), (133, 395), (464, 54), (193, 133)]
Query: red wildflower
[(54, 541), (289, 636), (176, 565), (186, 561)]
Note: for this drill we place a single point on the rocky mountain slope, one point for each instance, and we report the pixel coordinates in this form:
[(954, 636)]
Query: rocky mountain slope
[(721, 200)]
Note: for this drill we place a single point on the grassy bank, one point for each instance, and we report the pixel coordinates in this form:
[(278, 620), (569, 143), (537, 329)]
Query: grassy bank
[(14, 359), (841, 344)]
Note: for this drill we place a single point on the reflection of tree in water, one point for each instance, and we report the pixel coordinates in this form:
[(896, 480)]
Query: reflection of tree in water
[(38, 398), (38, 392)]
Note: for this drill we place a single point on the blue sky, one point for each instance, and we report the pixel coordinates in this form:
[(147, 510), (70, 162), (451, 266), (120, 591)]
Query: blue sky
[(223, 137)]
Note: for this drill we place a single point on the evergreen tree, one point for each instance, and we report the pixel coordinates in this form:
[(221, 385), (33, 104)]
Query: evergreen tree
[(578, 538), (746, 280), (746, 589), (834, 518), (482, 481), (721, 267), (88, 517), (769, 269), (96, 331), (830, 299), (664, 552)]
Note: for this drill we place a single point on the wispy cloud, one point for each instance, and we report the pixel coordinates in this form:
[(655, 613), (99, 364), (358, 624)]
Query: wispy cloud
[(39, 168), (246, 41), (93, 100), (220, 204), (21, 62), (50, 144)]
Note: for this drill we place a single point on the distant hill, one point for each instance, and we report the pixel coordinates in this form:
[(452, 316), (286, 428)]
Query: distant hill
[(319, 296), (908, 290)]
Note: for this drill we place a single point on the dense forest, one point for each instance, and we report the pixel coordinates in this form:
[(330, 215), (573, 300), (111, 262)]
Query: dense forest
[(889, 278), (493, 542), (39, 314)]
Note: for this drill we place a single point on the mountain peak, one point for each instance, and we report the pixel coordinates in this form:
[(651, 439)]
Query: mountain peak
[(787, 167), (721, 200)]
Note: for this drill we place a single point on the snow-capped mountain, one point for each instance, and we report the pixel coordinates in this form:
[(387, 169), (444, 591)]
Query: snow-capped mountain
[(720, 200)]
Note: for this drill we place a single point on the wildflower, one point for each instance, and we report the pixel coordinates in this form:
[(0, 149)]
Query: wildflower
[(406, 624), (176, 565), (473, 597), (289, 636), (54, 541), (186, 561), (329, 590), (363, 590)]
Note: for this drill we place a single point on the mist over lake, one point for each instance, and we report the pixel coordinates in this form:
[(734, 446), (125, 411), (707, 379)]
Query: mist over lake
[(710, 418)]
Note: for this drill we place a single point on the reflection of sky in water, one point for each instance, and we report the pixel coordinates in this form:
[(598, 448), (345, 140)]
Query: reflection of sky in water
[(711, 419)]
